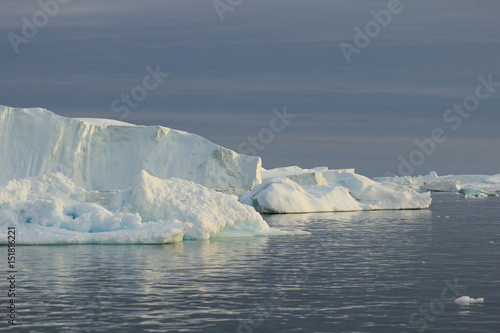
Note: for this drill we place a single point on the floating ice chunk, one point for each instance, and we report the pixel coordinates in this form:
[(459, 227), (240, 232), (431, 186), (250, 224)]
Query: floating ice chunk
[(383, 195), (470, 185), (50, 209), (466, 300), (352, 192), (475, 194), (282, 195), (209, 211)]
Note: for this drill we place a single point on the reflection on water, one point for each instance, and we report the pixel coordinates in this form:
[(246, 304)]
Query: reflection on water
[(356, 272)]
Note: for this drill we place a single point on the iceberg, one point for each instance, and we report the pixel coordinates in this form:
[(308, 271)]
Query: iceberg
[(104, 155), (51, 209), (466, 300), (349, 192), (80, 181), (470, 185), (209, 211)]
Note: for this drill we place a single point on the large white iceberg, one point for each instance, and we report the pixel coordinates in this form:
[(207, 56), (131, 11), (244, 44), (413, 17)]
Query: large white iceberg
[(107, 155), (349, 192), (51, 209), (65, 181)]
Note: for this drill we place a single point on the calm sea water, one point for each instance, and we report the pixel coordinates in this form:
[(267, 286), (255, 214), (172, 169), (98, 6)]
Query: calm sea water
[(381, 271)]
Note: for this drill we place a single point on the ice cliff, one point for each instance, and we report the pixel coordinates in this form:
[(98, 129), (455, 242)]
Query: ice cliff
[(107, 155)]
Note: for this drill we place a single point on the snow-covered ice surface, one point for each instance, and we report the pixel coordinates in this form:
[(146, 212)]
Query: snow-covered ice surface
[(470, 185), (466, 300), (150, 233), (211, 213), (101, 154), (105, 122), (305, 177), (349, 192), (51, 209)]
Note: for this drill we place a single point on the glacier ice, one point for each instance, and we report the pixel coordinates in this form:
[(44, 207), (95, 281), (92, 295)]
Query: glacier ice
[(165, 199), (51, 209), (66, 180), (349, 192), (106, 155), (470, 185)]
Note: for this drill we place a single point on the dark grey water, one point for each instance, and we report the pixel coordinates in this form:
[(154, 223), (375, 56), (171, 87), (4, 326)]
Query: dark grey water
[(381, 271)]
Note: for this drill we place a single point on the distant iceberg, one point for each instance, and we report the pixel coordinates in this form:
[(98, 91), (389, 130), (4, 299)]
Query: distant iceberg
[(470, 185), (291, 190)]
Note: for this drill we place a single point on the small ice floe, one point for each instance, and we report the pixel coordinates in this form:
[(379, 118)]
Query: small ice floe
[(466, 300)]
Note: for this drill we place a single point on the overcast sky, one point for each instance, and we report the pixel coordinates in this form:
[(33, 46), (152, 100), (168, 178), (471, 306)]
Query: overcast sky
[(226, 76)]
